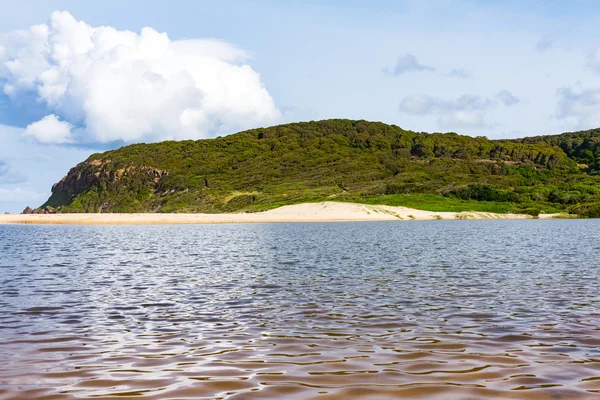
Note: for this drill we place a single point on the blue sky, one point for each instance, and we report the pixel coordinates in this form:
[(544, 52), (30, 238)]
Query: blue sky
[(494, 68)]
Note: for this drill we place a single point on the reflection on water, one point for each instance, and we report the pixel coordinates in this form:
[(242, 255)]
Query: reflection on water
[(440, 309)]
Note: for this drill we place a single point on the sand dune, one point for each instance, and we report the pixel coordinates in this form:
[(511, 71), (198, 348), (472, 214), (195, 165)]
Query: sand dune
[(308, 212)]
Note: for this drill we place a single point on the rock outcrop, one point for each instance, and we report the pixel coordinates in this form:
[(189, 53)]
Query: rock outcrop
[(88, 174), (44, 210), (98, 174)]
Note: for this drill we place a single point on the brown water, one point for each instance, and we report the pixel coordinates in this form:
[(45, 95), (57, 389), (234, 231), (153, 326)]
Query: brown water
[(439, 309)]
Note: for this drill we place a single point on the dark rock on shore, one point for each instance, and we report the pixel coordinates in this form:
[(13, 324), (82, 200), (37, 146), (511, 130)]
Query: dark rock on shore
[(45, 210)]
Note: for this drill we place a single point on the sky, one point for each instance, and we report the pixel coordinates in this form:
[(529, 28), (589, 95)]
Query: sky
[(79, 77)]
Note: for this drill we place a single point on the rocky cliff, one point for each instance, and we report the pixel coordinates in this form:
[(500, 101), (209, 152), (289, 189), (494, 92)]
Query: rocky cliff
[(101, 176)]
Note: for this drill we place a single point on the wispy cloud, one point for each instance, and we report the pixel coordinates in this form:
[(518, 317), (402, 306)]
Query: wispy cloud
[(594, 61), (19, 194), (8, 176), (579, 106), (408, 63), (546, 43), (462, 119), (464, 111), (459, 73), (507, 98)]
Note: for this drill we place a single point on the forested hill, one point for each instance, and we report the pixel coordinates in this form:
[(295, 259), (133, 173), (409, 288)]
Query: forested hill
[(584, 146), (340, 160)]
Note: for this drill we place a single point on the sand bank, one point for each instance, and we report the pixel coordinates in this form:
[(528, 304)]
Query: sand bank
[(308, 212)]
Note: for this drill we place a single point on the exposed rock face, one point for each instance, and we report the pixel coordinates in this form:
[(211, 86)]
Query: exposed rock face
[(87, 175), (45, 210), (77, 180)]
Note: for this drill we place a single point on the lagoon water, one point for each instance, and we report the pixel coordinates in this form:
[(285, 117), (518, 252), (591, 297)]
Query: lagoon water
[(376, 310)]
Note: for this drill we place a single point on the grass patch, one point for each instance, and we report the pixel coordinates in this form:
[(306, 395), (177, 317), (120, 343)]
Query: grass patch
[(439, 203), (435, 203)]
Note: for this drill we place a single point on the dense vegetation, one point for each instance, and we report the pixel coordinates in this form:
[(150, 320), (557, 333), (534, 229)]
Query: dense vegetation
[(584, 146), (340, 160)]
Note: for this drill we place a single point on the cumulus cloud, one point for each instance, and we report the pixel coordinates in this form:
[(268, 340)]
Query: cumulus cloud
[(464, 111), (100, 84), (580, 107), (50, 129)]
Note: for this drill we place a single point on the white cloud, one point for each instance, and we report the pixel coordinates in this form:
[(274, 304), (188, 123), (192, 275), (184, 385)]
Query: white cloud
[(579, 107), (120, 85), (50, 129)]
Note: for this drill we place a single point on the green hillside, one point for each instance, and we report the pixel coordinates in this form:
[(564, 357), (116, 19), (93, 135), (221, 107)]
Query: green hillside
[(584, 146), (339, 160)]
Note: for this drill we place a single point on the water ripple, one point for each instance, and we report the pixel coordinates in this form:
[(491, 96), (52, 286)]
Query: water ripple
[(440, 309)]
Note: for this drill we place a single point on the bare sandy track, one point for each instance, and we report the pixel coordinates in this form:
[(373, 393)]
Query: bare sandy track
[(308, 212)]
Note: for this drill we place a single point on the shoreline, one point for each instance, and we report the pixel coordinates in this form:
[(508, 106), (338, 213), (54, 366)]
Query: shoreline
[(306, 212)]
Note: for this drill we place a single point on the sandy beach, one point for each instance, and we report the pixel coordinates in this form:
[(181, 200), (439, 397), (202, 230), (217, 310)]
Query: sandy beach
[(308, 212)]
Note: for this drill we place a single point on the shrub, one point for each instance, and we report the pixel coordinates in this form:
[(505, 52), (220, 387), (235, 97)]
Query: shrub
[(480, 192), (533, 211), (586, 210)]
